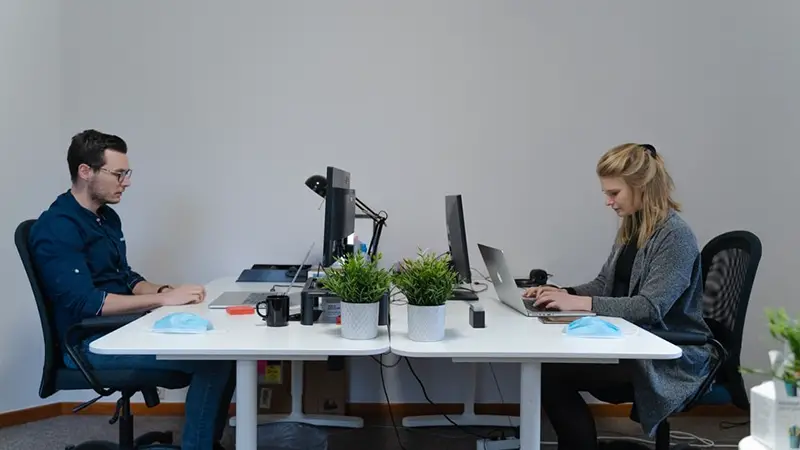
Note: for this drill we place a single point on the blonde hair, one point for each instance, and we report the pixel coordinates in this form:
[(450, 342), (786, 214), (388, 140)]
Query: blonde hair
[(641, 168)]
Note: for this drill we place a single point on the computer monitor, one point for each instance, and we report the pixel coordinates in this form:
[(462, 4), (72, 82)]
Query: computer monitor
[(457, 243), (340, 215)]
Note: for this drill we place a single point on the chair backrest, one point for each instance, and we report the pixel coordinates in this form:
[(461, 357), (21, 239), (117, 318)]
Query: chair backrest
[(730, 262), (52, 360)]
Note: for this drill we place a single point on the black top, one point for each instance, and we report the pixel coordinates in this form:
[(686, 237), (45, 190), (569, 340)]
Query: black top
[(622, 272)]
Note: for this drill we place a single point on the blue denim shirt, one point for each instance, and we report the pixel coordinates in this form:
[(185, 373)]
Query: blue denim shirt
[(80, 257)]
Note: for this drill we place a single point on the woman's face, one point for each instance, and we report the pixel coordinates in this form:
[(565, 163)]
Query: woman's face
[(620, 197)]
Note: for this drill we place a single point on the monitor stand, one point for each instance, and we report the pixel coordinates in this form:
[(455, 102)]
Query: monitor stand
[(464, 294)]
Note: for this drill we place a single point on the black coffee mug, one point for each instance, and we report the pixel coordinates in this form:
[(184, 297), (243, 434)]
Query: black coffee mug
[(276, 310)]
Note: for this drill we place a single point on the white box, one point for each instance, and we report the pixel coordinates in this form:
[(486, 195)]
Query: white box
[(775, 415)]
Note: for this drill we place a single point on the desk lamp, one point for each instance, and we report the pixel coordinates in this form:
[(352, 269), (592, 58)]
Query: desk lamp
[(319, 184)]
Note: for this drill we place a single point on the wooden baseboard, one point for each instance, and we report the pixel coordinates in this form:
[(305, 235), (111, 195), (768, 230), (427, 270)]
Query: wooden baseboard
[(366, 410), (30, 414)]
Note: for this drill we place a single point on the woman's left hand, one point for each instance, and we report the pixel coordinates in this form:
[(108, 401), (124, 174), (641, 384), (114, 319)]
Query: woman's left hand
[(563, 301)]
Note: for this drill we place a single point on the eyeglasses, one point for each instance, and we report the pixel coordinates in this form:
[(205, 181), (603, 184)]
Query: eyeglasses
[(121, 175)]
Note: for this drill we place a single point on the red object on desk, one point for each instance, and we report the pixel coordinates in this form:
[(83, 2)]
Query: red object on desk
[(338, 320), (240, 310)]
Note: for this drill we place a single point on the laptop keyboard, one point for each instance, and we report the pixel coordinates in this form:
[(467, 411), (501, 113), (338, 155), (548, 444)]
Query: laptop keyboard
[(254, 298)]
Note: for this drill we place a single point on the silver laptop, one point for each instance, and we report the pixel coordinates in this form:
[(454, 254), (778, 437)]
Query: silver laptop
[(507, 291), (237, 298)]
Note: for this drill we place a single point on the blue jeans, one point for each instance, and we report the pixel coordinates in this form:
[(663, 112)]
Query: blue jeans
[(207, 402)]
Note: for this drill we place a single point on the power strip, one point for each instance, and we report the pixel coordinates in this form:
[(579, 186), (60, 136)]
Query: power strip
[(500, 444)]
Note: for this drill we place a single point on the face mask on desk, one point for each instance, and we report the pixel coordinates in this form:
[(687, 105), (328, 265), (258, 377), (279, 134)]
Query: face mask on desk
[(184, 323), (592, 327)]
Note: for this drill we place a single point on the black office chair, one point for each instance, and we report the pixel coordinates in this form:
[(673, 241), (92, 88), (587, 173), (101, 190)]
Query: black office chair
[(729, 263), (57, 377)]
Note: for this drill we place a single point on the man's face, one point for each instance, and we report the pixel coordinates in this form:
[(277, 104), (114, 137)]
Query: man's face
[(107, 184)]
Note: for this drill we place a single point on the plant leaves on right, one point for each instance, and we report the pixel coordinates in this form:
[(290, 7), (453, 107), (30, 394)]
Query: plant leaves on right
[(428, 280)]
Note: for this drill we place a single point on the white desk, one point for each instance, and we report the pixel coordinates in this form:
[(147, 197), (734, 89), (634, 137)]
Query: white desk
[(510, 337), (246, 340)]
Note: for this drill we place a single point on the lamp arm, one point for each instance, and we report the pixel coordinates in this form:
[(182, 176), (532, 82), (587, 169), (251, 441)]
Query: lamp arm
[(368, 211), (377, 228)]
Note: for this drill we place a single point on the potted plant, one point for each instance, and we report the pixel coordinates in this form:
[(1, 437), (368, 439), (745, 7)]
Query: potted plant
[(784, 366), (359, 283), (427, 283)]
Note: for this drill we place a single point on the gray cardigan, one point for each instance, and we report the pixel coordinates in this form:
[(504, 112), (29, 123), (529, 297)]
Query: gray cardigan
[(666, 292)]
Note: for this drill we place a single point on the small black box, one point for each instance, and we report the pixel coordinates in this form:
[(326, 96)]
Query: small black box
[(477, 316)]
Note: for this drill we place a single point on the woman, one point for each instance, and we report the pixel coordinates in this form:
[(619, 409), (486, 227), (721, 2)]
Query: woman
[(652, 278)]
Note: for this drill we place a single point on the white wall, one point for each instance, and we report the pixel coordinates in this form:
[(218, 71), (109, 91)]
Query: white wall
[(34, 169), (228, 107)]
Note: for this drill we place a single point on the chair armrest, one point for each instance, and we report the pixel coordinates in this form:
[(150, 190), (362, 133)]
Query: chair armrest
[(107, 323), (88, 327), (682, 337)]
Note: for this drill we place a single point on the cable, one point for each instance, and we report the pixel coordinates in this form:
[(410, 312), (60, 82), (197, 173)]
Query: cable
[(380, 361), (726, 425), (482, 284), (425, 393), (500, 392), (389, 406), (485, 277)]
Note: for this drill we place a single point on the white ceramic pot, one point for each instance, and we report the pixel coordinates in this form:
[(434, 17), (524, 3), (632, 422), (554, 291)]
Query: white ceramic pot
[(426, 323), (359, 320)]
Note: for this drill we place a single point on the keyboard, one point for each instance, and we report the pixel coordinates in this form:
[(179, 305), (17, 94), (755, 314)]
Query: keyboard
[(254, 298)]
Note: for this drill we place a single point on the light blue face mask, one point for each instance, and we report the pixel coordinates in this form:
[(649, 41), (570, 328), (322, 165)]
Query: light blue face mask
[(592, 327), (185, 323)]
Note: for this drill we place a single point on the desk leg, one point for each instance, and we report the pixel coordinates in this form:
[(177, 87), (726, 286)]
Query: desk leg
[(246, 405), (297, 414), (468, 418), (530, 411)]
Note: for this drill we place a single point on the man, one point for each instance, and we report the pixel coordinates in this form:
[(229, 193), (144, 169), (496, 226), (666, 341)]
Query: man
[(80, 252)]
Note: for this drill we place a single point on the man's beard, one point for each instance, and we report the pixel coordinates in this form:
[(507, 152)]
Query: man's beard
[(98, 196)]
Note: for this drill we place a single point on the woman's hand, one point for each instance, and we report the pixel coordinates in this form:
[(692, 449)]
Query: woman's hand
[(534, 292), (562, 301)]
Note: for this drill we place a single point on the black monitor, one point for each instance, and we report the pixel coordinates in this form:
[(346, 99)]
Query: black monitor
[(340, 215), (457, 243)]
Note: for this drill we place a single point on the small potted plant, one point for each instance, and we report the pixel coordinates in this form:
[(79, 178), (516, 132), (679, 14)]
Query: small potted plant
[(427, 283), (785, 366), (359, 283)]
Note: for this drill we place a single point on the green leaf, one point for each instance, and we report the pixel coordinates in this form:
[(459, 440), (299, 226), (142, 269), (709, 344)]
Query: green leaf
[(785, 330), (428, 280), (359, 279)]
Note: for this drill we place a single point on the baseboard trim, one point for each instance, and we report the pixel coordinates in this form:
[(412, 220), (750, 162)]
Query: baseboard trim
[(366, 410), (27, 415)]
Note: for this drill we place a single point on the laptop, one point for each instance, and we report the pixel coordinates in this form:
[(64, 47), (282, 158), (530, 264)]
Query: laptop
[(507, 291), (237, 298)]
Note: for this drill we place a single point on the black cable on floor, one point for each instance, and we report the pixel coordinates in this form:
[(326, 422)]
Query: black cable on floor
[(425, 393), (389, 405), (500, 392)]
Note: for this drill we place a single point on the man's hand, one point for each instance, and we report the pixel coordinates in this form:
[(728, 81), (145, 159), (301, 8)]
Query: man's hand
[(534, 292), (562, 301), (186, 294)]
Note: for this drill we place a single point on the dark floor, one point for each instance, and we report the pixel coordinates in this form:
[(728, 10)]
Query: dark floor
[(54, 434)]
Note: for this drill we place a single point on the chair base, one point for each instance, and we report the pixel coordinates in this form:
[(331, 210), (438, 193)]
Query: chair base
[(157, 439)]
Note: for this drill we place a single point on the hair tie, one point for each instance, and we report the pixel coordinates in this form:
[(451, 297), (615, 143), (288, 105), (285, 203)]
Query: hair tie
[(649, 148)]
